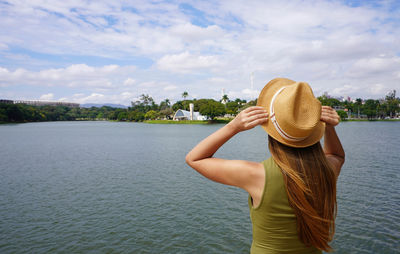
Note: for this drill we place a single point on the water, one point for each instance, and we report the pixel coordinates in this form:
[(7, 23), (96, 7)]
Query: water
[(106, 187)]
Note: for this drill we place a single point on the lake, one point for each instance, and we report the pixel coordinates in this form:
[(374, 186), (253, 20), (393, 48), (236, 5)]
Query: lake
[(116, 187)]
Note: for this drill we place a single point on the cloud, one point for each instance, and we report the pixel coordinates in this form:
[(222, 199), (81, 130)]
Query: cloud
[(186, 62), (47, 97), (170, 88), (77, 75), (82, 98), (345, 90), (378, 89), (129, 82), (376, 65), (334, 46), (192, 33)]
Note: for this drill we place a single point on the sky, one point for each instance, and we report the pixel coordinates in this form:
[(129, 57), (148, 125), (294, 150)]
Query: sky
[(114, 51)]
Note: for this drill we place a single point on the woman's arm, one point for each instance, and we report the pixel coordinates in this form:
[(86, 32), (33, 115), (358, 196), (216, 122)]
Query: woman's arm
[(232, 172), (332, 147)]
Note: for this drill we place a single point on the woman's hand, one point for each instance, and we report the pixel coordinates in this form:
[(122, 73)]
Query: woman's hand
[(249, 118), (329, 116)]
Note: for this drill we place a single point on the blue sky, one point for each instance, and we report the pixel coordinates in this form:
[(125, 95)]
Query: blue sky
[(114, 51)]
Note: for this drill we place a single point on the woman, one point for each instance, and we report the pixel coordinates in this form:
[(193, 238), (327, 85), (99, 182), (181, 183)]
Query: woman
[(292, 195)]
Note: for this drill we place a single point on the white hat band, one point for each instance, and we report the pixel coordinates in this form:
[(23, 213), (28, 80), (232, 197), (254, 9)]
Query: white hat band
[(275, 122)]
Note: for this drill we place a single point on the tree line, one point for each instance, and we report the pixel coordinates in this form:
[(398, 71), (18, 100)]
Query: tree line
[(145, 108), (389, 107)]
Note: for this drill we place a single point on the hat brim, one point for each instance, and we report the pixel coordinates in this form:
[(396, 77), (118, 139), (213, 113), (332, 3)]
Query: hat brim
[(264, 100)]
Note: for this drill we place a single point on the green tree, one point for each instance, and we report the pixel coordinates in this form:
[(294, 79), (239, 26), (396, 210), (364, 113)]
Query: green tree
[(3, 115), (232, 107), (151, 115), (144, 104), (357, 107), (328, 101), (182, 105), (342, 114), (15, 113), (122, 116), (165, 104), (177, 105), (100, 115), (184, 95), (167, 113), (370, 108), (392, 103), (212, 109), (225, 99), (136, 116)]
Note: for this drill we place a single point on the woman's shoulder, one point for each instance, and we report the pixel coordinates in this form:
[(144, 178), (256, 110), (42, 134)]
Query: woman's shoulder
[(270, 165)]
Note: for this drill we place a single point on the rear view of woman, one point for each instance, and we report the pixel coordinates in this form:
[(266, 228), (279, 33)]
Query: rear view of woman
[(292, 195)]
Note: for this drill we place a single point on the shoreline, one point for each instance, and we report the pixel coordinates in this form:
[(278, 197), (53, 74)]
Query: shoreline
[(370, 120), (218, 121), (187, 121)]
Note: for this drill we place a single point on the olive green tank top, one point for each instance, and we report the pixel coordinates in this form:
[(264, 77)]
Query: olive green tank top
[(274, 222)]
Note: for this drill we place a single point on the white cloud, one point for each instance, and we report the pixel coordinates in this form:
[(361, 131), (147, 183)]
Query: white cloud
[(334, 47), (129, 82), (345, 90), (82, 98), (78, 75), (374, 65), (186, 62), (170, 88), (219, 80), (378, 89), (47, 97), (191, 33)]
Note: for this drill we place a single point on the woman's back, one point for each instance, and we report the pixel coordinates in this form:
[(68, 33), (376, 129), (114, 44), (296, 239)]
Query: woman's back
[(296, 190), (274, 221)]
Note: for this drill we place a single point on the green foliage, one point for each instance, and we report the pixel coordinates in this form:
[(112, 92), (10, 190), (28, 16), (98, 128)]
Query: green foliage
[(326, 101), (136, 116), (224, 99), (184, 105), (146, 108), (122, 116), (144, 104), (151, 115), (342, 114), (392, 104), (166, 113), (232, 107), (370, 108), (212, 109)]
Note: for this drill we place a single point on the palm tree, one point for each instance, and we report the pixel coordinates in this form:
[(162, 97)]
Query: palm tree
[(224, 99), (184, 95), (167, 102)]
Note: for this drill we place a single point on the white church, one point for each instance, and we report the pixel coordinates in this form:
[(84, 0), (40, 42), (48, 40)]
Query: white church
[(181, 114)]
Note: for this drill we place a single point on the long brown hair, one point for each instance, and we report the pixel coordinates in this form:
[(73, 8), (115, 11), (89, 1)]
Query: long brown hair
[(311, 188)]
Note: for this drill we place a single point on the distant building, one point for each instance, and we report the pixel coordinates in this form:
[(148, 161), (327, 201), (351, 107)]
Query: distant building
[(7, 101), (338, 108), (48, 103), (181, 114)]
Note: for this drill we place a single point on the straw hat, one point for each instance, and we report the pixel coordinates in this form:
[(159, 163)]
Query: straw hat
[(294, 112)]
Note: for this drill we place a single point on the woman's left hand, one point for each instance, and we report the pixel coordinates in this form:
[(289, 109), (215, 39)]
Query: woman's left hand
[(329, 116), (249, 118)]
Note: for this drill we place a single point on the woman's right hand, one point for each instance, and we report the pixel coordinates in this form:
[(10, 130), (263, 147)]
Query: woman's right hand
[(249, 118)]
